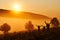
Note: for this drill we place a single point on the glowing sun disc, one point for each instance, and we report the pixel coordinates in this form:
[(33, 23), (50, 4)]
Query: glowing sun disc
[(16, 7)]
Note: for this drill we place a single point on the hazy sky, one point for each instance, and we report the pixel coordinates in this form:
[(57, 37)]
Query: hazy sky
[(50, 8)]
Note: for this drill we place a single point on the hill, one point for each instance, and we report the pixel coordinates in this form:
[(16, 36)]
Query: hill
[(22, 14)]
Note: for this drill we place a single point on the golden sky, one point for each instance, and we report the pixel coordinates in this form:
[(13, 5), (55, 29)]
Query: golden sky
[(50, 8)]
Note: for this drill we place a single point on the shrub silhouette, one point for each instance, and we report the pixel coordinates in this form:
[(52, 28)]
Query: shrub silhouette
[(5, 27), (29, 26), (55, 22)]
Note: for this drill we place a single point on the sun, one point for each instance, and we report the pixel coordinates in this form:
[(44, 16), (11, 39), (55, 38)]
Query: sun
[(16, 7)]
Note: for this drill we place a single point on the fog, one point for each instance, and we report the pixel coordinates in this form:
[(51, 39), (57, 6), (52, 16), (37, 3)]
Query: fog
[(18, 24)]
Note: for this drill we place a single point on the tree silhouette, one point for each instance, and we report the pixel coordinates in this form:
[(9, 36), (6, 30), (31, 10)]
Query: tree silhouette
[(55, 22), (5, 28), (29, 26)]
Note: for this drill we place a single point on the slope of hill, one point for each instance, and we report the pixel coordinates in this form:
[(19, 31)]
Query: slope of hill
[(26, 15)]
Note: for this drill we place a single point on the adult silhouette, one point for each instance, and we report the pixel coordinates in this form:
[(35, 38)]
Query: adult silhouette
[(47, 25)]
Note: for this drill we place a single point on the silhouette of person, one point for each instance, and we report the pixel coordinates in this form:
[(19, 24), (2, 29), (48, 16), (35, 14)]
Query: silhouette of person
[(38, 28), (47, 25), (44, 28)]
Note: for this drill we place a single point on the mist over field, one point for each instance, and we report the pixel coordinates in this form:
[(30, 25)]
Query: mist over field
[(17, 23)]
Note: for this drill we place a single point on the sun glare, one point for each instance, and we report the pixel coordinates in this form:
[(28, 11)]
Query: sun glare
[(16, 7)]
